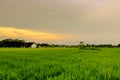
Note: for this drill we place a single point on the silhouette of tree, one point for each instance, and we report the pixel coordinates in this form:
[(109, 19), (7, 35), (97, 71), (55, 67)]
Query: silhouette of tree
[(13, 43)]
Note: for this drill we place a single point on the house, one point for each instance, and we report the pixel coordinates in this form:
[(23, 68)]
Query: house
[(34, 45), (30, 45)]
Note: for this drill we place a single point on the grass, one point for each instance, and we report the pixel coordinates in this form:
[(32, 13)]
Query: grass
[(59, 64)]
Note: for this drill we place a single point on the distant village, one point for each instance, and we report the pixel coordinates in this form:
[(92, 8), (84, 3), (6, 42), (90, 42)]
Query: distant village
[(17, 43)]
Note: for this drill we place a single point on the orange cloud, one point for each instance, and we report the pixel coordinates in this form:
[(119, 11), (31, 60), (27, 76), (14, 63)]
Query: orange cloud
[(26, 34)]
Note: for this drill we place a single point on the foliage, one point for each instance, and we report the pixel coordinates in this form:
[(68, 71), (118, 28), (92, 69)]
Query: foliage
[(12, 43), (59, 64)]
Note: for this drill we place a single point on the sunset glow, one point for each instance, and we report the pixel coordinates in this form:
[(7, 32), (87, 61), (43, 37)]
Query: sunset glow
[(93, 21), (26, 34)]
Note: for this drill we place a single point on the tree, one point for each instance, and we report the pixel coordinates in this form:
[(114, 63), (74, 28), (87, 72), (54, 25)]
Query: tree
[(45, 45), (13, 43), (81, 45)]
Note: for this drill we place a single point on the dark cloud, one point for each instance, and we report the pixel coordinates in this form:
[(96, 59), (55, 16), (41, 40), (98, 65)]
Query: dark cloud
[(89, 18)]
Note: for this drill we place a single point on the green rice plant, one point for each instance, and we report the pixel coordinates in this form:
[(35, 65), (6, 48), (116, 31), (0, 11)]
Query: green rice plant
[(59, 64)]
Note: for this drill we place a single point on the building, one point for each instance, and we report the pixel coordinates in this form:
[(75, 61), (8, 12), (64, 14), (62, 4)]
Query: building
[(30, 45)]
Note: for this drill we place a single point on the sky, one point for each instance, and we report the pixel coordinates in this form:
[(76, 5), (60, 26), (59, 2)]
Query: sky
[(61, 21)]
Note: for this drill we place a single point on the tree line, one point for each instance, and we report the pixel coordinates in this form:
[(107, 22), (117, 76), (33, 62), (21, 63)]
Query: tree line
[(12, 43), (17, 43), (82, 45)]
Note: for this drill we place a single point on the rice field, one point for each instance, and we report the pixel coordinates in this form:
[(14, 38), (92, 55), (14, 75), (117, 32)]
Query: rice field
[(59, 64)]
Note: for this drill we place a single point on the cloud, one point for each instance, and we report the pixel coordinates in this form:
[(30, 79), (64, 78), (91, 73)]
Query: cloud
[(31, 35), (91, 20), (10, 32)]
